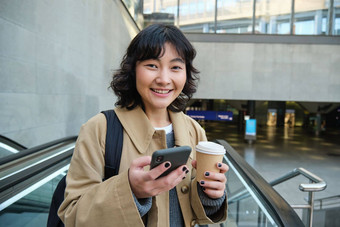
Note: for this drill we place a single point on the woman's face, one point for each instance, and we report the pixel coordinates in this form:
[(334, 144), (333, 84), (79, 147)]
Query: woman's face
[(160, 81)]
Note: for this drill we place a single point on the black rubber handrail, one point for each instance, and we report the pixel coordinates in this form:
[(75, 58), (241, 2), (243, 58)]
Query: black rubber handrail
[(285, 214), (12, 143), (33, 150)]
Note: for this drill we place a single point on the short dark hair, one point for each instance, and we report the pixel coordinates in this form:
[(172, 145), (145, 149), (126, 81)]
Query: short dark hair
[(149, 44)]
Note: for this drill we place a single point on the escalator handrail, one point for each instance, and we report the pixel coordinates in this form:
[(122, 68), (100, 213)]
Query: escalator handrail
[(12, 143), (33, 150), (285, 214), (33, 170)]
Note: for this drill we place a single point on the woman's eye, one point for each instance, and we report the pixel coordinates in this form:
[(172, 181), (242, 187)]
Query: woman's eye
[(151, 66), (177, 68)]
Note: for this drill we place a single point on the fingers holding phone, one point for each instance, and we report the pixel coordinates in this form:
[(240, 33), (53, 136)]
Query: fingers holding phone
[(167, 170), (177, 156), (169, 181)]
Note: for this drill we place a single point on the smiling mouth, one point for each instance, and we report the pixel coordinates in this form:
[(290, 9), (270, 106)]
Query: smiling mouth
[(161, 91)]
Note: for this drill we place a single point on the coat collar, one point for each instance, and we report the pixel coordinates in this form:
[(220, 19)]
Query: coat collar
[(179, 124), (138, 127)]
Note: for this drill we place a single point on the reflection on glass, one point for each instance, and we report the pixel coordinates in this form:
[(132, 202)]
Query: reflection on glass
[(245, 208), (197, 16), (309, 16), (249, 155), (135, 8), (310, 5), (234, 16), (273, 16), (336, 21), (159, 11)]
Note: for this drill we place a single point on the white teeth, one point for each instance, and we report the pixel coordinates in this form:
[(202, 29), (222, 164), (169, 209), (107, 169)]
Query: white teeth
[(161, 91)]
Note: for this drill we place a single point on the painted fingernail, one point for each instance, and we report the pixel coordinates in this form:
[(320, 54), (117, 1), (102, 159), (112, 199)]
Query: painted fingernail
[(184, 168), (183, 178), (167, 165), (203, 188), (206, 174), (202, 181), (219, 165), (187, 171)]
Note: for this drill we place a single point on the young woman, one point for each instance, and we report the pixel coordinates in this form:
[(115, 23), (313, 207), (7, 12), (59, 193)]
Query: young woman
[(155, 80)]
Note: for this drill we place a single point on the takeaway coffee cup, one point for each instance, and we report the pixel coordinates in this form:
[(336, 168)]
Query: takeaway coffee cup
[(208, 154)]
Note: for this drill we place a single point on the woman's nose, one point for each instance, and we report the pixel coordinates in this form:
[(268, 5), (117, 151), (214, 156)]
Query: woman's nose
[(163, 77)]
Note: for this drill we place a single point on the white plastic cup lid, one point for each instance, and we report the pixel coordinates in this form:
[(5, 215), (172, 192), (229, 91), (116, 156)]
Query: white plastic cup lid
[(207, 147)]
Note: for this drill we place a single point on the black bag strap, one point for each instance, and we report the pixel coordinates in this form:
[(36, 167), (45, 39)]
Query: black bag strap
[(114, 144)]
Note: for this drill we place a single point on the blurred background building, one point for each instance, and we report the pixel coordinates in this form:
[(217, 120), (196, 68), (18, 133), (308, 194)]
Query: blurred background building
[(271, 59), (276, 61)]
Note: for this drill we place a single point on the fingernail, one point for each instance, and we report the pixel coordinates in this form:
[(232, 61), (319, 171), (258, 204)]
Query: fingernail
[(167, 165), (202, 181), (187, 171), (206, 174), (203, 188), (184, 168), (219, 165), (183, 178)]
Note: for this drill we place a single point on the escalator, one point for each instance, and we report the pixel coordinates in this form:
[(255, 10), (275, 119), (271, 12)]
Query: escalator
[(28, 182), (28, 179)]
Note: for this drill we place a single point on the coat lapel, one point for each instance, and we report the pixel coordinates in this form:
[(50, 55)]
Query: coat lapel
[(138, 127)]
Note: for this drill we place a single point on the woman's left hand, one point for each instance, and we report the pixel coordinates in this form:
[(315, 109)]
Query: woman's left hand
[(215, 186)]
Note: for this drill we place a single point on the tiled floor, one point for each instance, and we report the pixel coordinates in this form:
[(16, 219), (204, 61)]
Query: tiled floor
[(278, 151)]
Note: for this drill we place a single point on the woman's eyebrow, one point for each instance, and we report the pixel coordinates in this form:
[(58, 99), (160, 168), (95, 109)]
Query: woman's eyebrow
[(178, 60)]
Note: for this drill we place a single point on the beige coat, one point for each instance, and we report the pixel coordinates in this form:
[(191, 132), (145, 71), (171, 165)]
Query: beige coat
[(91, 202)]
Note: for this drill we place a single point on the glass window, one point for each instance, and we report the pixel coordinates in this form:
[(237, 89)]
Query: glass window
[(283, 27), (234, 16), (135, 8), (337, 25), (336, 21), (273, 16), (197, 15), (159, 11), (310, 5), (308, 16), (304, 27)]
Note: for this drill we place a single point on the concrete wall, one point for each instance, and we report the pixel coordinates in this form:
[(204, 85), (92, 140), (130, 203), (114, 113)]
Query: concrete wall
[(56, 60), (268, 71)]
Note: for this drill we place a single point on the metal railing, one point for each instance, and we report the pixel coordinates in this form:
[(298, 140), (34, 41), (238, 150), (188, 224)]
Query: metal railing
[(323, 203), (282, 213), (316, 184)]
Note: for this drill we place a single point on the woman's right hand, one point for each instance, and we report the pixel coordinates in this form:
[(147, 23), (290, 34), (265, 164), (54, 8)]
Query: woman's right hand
[(145, 183)]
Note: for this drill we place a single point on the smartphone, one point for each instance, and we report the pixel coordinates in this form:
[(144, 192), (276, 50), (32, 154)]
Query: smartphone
[(177, 156)]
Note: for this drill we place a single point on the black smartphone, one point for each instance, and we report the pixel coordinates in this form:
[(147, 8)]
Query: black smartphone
[(177, 156)]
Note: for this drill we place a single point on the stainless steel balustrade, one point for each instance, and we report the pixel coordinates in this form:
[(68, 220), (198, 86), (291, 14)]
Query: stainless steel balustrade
[(316, 184), (252, 200)]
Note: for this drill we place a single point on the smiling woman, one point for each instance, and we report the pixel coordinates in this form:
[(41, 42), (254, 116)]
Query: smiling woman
[(153, 84), (149, 45), (160, 81)]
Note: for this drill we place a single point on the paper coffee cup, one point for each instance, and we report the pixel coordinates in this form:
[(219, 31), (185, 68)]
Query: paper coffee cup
[(208, 154)]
